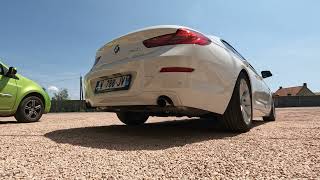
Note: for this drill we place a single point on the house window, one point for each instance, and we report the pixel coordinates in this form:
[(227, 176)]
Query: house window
[(289, 94)]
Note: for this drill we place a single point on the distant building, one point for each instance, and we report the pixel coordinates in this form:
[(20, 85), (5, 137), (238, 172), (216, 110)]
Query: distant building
[(317, 93), (294, 91)]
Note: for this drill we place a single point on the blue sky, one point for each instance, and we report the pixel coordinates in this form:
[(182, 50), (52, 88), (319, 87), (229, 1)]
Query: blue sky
[(53, 42)]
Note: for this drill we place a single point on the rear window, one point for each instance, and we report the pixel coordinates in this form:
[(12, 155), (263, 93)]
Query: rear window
[(97, 60), (234, 51)]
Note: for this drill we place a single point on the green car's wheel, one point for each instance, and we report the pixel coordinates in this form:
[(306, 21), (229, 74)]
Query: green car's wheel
[(30, 110)]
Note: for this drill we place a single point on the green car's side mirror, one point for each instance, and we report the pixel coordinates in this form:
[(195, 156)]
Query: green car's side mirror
[(11, 72)]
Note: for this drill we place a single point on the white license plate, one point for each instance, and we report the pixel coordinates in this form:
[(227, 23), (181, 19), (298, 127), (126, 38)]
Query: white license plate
[(113, 84)]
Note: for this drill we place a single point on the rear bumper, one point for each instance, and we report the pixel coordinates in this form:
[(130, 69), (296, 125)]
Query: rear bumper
[(207, 88), (162, 111)]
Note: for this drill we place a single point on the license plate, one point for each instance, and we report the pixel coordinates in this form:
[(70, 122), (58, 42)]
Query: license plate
[(113, 84)]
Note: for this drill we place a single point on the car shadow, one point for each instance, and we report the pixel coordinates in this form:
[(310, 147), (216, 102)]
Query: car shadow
[(8, 122), (150, 136)]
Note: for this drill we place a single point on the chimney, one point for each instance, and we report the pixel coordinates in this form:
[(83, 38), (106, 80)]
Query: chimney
[(305, 85), (280, 87)]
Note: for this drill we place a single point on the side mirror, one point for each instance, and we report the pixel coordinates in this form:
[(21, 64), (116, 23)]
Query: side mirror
[(266, 74), (11, 72)]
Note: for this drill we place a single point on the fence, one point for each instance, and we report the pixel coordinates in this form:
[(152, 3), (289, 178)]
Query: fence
[(68, 106), (296, 101), (279, 101)]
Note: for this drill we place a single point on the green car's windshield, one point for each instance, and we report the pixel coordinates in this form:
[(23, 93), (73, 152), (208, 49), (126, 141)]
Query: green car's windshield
[(3, 68)]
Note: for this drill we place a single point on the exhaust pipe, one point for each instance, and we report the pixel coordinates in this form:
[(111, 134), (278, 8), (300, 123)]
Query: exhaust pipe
[(163, 101)]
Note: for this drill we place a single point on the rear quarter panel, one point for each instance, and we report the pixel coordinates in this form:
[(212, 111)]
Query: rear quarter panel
[(232, 66)]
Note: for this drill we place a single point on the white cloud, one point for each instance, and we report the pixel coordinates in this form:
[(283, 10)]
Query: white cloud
[(53, 89)]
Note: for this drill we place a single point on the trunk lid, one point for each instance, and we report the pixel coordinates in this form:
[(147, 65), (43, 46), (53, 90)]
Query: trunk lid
[(131, 45)]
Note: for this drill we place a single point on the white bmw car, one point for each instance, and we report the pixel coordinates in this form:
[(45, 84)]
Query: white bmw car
[(177, 71)]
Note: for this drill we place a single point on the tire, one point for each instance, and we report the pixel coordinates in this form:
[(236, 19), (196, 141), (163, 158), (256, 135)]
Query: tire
[(238, 115), (132, 118), (30, 110), (272, 115)]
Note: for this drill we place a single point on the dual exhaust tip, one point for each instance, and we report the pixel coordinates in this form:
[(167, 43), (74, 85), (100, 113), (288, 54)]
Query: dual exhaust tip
[(164, 101)]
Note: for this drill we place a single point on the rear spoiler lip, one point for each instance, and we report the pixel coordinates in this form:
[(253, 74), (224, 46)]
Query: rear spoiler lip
[(110, 43)]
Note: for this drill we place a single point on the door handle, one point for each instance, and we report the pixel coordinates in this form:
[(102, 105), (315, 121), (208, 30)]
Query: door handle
[(5, 95)]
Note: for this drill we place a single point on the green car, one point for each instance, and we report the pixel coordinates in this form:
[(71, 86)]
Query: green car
[(20, 97)]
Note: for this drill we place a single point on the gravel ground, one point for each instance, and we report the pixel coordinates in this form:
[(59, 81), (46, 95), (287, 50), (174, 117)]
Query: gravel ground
[(97, 145)]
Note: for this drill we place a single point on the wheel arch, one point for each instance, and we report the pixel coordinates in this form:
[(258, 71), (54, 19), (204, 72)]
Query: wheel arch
[(240, 71), (244, 71), (32, 93), (233, 117)]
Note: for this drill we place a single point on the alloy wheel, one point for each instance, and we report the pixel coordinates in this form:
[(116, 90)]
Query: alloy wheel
[(32, 109), (245, 101)]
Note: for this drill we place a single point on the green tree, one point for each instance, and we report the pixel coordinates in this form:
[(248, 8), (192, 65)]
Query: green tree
[(61, 95)]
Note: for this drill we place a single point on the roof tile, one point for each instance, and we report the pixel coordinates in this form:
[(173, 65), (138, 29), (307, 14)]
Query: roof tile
[(293, 91)]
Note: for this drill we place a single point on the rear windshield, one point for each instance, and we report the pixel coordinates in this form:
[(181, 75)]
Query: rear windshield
[(3, 69)]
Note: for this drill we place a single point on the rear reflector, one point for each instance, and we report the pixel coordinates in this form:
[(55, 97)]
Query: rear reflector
[(181, 36), (176, 69)]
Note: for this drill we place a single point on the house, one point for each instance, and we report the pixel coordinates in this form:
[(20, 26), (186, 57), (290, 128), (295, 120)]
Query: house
[(294, 91)]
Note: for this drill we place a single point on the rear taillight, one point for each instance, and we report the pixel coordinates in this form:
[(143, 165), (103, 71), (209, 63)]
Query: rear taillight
[(181, 36)]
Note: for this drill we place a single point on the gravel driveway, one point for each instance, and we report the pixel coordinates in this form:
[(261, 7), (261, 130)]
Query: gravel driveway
[(97, 145)]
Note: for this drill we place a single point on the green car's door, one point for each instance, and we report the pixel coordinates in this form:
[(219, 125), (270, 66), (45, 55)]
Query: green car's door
[(8, 90)]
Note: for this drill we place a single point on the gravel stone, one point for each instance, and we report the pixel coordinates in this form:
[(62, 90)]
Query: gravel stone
[(99, 146)]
